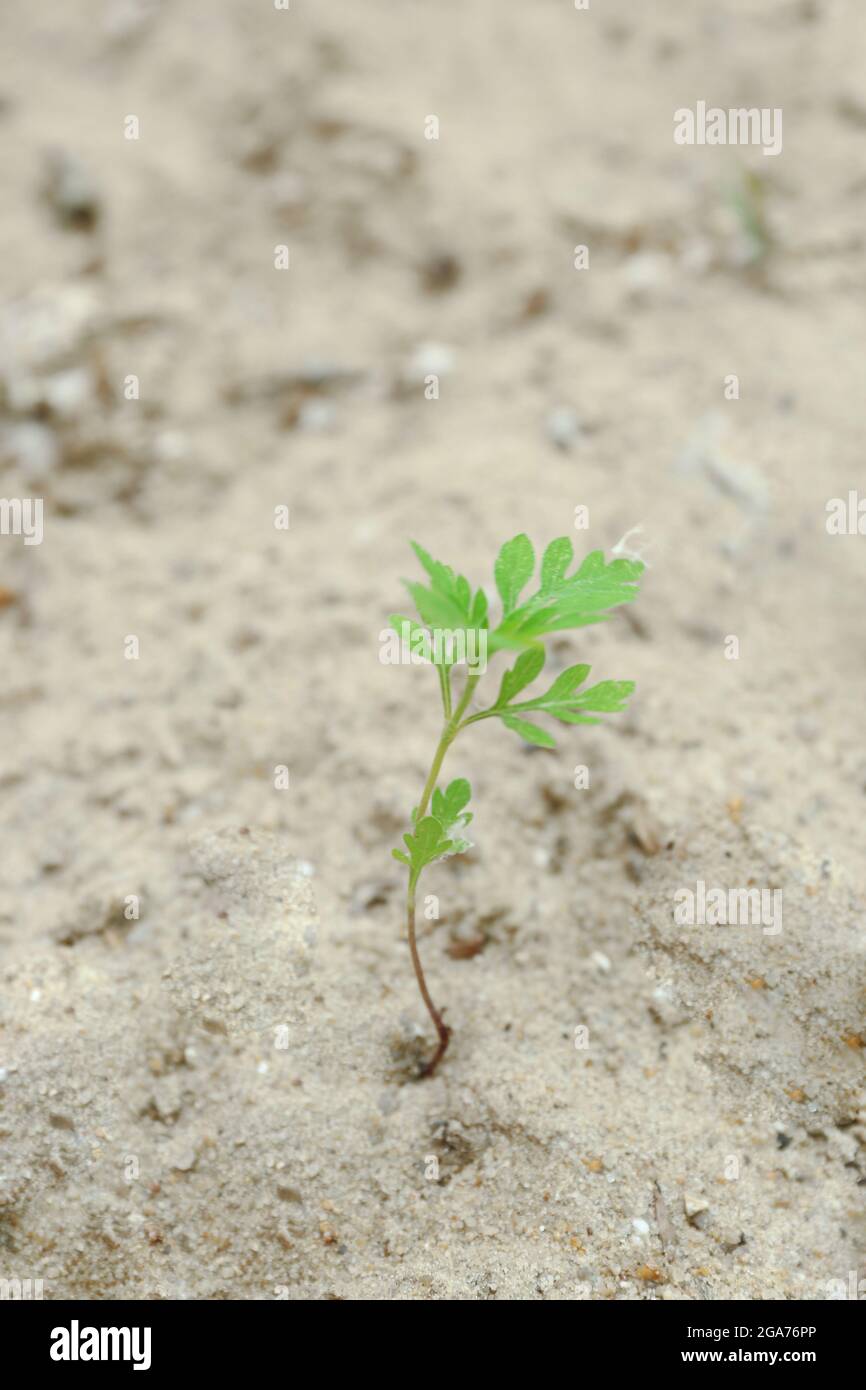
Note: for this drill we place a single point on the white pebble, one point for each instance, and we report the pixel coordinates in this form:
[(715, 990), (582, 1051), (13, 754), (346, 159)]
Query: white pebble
[(563, 427)]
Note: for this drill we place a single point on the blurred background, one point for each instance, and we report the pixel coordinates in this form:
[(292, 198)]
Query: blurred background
[(327, 258)]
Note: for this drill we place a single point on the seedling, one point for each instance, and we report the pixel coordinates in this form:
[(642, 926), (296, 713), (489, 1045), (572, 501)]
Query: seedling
[(453, 621)]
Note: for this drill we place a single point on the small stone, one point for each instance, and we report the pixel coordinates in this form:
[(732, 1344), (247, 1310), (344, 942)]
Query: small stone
[(317, 416), (645, 829), (693, 1205), (71, 191), (32, 447), (647, 271), (563, 427), (68, 393), (185, 1161)]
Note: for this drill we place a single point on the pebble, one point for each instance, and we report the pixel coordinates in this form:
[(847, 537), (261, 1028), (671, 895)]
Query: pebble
[(185, 1161), (646, 271), (32, 447), (71, 190), (693, 1205), (317, 416), (67, 393), (563, 427)]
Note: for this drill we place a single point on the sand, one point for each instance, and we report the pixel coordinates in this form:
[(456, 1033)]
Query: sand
[(210, 1035)]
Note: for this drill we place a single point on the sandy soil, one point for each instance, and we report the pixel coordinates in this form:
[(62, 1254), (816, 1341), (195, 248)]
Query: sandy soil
[(218, 1098)]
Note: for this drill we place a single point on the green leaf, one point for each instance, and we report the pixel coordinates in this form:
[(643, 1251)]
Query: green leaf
[(448, 809), (447, 806), (568, 601), (568, 716), (563, 701), (437, 609), (396, 621), (527, 666), (530, 732), (557, 558), (566, 683), (435, 836), (447, 604), (478, 612), (444, 580), (513, 570), (609, 696), (427, 843)]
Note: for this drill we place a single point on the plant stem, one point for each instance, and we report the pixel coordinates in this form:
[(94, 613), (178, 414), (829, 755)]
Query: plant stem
[(449, 733), (445, 686), (441, 1027)]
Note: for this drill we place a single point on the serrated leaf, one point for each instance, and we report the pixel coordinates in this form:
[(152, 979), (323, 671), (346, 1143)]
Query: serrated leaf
[(513, 570), (557, 558), (436, 609), (398, 854), (609, 696), (564, 702), (529, 731), (478, 612), (443, 578), (566, 683), (447, 805), (426, 844), (569, 601), (397, 622), (448, 809), (525, 670), (568, 716), (447, 605)]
